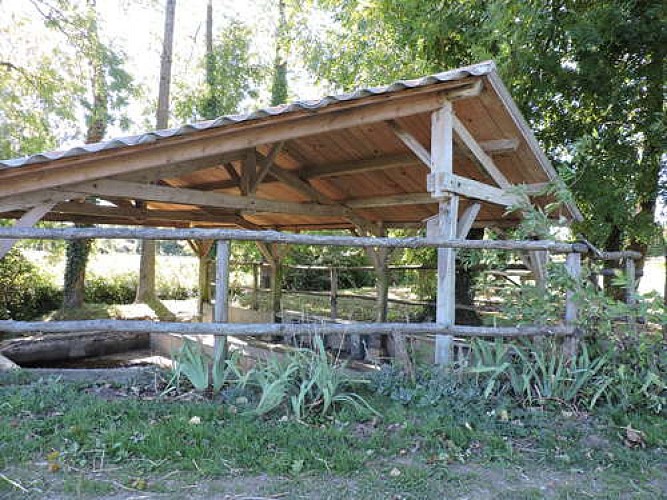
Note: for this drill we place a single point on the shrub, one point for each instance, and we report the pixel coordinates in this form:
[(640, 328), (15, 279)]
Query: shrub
[(25, 293), (113, 289)]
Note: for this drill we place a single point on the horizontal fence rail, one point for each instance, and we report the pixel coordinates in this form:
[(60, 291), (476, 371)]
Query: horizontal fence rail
[(258, 329), (286, 238), (268, 236)]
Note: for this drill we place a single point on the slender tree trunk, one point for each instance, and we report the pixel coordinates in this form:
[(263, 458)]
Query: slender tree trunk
[(146, 288), (79, 250), (75, 272), (279, 85)]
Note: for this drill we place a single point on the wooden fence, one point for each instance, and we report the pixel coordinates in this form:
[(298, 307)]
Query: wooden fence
[(220, 328)]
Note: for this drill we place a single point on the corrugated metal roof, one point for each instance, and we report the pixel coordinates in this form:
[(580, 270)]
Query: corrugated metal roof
[(308, 105)]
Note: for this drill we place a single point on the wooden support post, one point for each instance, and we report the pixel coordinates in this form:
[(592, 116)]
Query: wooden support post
[(220, 311), (255, 286), (444, 226), (573, 266), (333, 293), (276, 289), (446, 296), (630, 276)]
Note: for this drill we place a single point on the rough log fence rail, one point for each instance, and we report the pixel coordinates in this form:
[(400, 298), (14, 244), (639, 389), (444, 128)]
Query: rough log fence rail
[(220, 328)]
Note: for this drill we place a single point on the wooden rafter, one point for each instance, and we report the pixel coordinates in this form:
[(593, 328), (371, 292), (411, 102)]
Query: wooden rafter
[(477, 153)]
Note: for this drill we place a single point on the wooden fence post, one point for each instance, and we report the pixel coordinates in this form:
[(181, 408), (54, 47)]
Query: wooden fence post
[(333, 292), (255, 286), (630, 276), (573, 266), (220, 311)]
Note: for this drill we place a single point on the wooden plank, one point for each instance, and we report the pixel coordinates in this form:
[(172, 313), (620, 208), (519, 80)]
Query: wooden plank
[(471, 189), (477, 153), (258, 329), (410, 142), (29, 219), (279, 237), (467, 219), (185, 196), (216, 141)]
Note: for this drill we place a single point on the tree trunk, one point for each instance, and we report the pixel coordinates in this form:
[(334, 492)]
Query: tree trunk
[(75, 272), (146, 288), (79, 250), (279, 85)]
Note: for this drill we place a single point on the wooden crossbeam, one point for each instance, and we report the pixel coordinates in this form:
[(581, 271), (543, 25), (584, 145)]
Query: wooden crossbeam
[(183, 196), (472, 189), (233, 174), (265, 164), (180, 169), (29, 219), (465, 139), (410, 142)]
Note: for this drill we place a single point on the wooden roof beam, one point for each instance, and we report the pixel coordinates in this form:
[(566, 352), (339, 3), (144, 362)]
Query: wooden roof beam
[(180, 169), (184, 196)]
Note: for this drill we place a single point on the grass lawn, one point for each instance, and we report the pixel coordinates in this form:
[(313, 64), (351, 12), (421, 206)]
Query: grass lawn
[(61, 440)]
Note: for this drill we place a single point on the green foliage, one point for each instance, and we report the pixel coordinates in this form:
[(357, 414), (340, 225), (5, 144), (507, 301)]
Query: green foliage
[(304, 383), (201, 370), (232, 78), (305, 279), (122, 288), (588, 76), (114, 289), (25, 293), (538, 374)]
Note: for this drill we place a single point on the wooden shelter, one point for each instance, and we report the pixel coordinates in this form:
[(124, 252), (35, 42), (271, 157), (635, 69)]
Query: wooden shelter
[(448, 148)]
